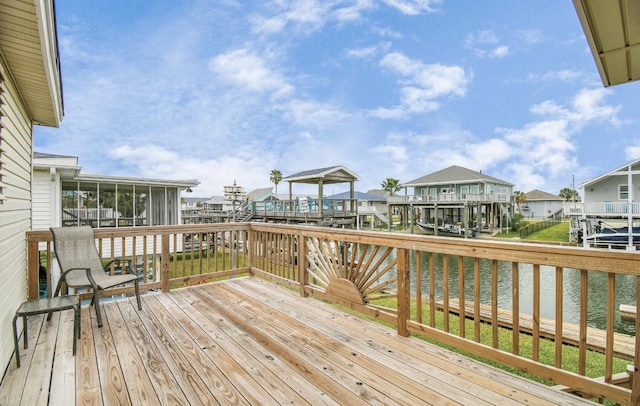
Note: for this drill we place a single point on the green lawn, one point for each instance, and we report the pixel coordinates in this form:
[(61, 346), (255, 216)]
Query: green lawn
[(557, 233)]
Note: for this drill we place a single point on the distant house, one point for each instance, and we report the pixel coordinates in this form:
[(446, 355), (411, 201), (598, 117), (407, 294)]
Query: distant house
[(191, 205), (64, 196), (30, 95), (261, 195), (609, 205), (541, 204), (457, 195), (371, 208)]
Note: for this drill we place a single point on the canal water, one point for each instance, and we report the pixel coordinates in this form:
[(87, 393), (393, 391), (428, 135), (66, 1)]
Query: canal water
[(625, 290)]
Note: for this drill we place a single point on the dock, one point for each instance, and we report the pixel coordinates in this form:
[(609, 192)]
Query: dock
[(623, 344)]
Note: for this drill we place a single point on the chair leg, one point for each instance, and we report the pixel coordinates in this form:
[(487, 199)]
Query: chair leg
[(15, 339), (97, 306), (137, 288), (76, 327)]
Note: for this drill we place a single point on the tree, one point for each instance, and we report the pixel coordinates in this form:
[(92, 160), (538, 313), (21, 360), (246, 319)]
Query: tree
[(519, 198), (568, 194), (391, 185), (275, 177)]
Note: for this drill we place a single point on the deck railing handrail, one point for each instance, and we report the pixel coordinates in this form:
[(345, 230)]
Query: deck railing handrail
[(361, 269), (602, 208), (451, 197)]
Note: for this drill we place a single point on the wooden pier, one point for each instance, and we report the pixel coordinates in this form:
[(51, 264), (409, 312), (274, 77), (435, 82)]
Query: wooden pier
[(623, 345)]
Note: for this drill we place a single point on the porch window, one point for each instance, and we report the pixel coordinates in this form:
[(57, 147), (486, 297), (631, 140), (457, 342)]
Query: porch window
[(623, 192)]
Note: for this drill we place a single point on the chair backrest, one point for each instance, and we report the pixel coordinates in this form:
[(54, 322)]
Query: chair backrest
[(75, 247)]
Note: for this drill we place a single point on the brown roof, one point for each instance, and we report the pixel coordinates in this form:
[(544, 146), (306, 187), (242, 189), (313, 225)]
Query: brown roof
[(540, 195)]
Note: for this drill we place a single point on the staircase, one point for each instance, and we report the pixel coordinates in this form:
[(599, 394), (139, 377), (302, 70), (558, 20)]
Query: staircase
[(241, 214)]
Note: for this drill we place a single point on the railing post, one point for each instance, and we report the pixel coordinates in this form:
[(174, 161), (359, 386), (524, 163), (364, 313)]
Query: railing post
[(250, 248), (164, 261), (403, 292), (302, 264), (33, 270)]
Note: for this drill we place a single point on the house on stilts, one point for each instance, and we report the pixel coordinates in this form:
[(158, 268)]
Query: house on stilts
[(456, 198)]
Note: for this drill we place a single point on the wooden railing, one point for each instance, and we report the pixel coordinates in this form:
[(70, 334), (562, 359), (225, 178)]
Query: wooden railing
[(451, 198), (602, 209), (420, 284)]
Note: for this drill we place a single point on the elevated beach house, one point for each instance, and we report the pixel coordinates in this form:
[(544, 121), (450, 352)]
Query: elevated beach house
[(372, 208), (458, 196), (609, 214), (30, 94)]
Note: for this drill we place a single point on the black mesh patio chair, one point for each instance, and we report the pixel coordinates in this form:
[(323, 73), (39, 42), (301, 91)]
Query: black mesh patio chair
[(81, 266)]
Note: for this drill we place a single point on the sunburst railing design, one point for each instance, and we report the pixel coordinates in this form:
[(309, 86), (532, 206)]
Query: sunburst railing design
[(355, 272)]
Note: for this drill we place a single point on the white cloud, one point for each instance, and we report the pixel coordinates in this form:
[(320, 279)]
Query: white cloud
[(632, 152), (565, 75), (529, 37), (498, 52), (307, 16), (486, 44), (248, 70), (422, 85), (369, 52), (413, 7)]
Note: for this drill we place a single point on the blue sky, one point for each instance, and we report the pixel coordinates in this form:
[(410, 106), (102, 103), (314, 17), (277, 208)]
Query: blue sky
[(229, 90)]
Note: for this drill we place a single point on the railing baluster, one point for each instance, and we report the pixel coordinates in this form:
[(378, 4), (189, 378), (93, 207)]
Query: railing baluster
[(404, 287), (559, 317), (418, 260), (494, 304), (582, 344), (432, 291), (462, 303), (536, 312), (445, 290), (611, 304), (476, 299), (515, 305)]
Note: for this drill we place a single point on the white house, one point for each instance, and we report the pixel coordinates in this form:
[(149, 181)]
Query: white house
[(609, 214), (541, 204), (30, 94)]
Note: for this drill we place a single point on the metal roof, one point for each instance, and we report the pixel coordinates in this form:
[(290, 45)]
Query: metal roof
[(332, 174), (540, 195), (358, 196), (29, 47), (454, 175), (612, 29)]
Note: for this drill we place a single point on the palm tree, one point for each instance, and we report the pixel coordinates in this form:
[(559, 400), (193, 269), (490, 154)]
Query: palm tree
[(568, 194), (275, 177), (391, 185), (519, 198)]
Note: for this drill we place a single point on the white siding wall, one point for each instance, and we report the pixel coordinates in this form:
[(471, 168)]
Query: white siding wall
[(15, 211), (607, 189), (45, 198)]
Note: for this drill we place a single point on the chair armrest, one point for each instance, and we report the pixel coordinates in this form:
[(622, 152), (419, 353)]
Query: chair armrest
[(122, 263), (65, 272)]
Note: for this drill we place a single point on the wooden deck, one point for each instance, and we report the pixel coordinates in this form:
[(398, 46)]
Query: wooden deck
[(246, 341)]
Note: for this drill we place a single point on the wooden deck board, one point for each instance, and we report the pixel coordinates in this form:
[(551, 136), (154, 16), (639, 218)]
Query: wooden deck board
[(244, 341), (415, 357)]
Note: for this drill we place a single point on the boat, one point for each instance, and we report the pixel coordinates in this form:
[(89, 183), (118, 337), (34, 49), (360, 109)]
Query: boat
[(614, 235), (449, 229)]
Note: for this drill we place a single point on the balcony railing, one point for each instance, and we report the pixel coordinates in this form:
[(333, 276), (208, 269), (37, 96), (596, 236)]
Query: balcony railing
[(451, 198), (521, 302), (601, 209)]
